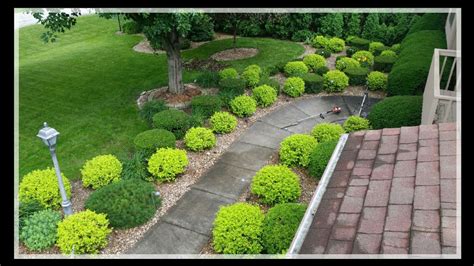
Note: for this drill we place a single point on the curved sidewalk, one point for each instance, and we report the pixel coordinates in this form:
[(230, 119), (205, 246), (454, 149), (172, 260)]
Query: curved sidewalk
[(186, 227)]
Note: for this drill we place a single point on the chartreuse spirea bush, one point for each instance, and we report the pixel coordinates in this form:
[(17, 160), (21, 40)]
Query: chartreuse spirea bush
[(314, 61), (295, 149), (388, 53), (238, 229), (295, 68), (127, 203), (320, 42), (228, 73), (294, 86), (42, 186), (223, 122), (243, 105), (83, 232), (327, 131), (40, 230), (377, 81), (150, 140), (373, 46), (280, 225), (335, 81), (396, 111), (100, 171), (336, 45), (319, 158), (276, 184), (365, 58), (264, 95), (251, 75), (355, 123), (199, 138), (176, 121), (396, 48), (346, 62), (166, 163)]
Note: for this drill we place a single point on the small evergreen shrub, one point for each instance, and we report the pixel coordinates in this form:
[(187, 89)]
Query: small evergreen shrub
[(336, 45), (295, 149), (377, 81), (100, 171), (380, 50), (243, 105), (384, 63), (365, 58), (206, 105), (42, 186), (350, 51), (264, 95), (295, 68), (135, 167), (166, 163), (327, 131), (208, 79), (355, 123), (302, 35), (357, 75), (346, 62), (314, 61), (320, 157), (227, 73), (313, 83), (199, 138), (276, 184), (320, 42), (40, 230), (83, 232), (396, 111), (280, 226), (176, 121), (323, 52), (150, 140), (374, 46), (238, 229), (294, 86), (223, 122), (359, 43), (150, 108), (127, 203), (335, 81), (251, 75), (270, 82), (322, 70), (232, 84)]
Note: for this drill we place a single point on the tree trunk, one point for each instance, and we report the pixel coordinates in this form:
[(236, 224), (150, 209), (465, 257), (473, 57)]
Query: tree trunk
[(175, 65), (120, 25)]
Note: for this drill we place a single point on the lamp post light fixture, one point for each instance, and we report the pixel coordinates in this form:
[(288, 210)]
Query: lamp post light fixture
[(49, 136)]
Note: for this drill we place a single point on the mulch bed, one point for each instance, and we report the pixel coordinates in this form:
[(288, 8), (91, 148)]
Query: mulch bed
[(204, 64), (234, 54), (169, 97)]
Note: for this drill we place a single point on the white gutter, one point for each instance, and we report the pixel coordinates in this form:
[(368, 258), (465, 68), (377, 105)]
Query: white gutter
[(314, 204)]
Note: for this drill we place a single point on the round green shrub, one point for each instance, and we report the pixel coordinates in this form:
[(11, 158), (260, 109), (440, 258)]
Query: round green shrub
[(251, 75), (199, 138), (322, 70), (335, 81), (238, 229), (355, 123), (384, 63), (351, 50), (357, 75), (365, 58), (176, 121), (276, 184), (346, 62), (314, 61), (150, 140), (323, 52), (319, 158), (83, 232), (228, 73), (396, 111), (270, 82), (374, 46), (294, 86), (295, 68), (40, 230), (264, 95), (243, 105), (232, 84), (42, 186), (396, 48), (223, 122), (327, 131), (150, 108), (313, 83), (166, 163), (280, 225), (206, 105), (320, 42), (377, 81), (388, 53), (100, 171), (336, 45), (127, 203), (295, 149), (359, 43)]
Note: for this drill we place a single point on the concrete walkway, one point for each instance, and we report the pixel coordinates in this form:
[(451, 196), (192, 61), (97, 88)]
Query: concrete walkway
[(186, 228)]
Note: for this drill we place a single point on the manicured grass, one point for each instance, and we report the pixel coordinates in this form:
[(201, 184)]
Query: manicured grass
[(86, 84)]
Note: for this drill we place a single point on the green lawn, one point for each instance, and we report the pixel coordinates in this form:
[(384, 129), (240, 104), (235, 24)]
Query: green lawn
[(85, 85)]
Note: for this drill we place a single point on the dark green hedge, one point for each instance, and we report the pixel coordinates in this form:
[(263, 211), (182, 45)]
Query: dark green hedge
[(396, 111), (384, 63), (357, 75), (429, 21)]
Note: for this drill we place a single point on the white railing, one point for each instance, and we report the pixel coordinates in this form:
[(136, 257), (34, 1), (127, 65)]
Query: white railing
[(439, 104), (450, 30)]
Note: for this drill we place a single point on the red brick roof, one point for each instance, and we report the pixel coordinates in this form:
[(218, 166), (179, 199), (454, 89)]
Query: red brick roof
[(392, 191)]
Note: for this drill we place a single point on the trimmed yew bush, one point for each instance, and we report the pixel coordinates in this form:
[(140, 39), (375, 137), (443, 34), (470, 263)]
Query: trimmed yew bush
[(167, 163), (264, 95), (199, 138), (295, 149), (243, 105), (150, 140), (206, 105), (319, 158), (294, 86), (176, 121), (100, 171), (313, 83), (357, 75), (327, 131), (396, 111), (223, 122)]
